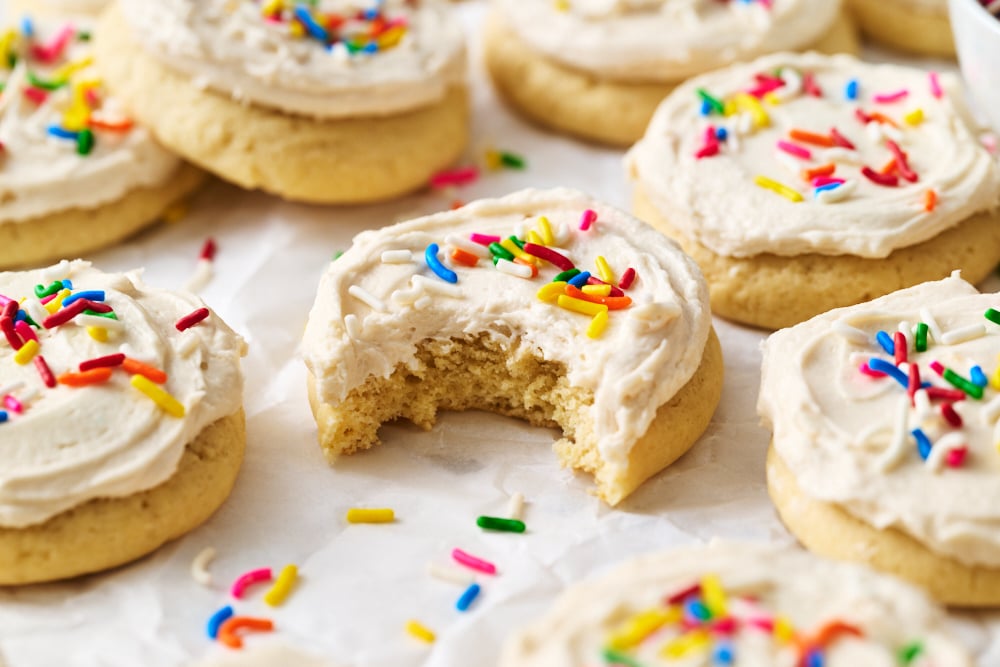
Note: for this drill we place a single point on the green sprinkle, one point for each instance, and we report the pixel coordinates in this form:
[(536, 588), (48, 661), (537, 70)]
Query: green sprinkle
[(41, 291), (43, 84), (566, 275), (518, 242), (714, 102), (512, 161), (499, 251), (84, 142), (337, 255), (110, 316), (921, 343), (83, 36), (503, 525), (909, 653), (992, 315), (614, 657), (970, 388)]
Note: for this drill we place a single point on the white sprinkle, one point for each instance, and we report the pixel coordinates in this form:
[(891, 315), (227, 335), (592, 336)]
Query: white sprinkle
[(733, 141), (991, 411), (450, 574), (838, 154), (837, 194), (891, 132), (512, 269), (423, 302), (11, 388), (439, 287), (456, 241), (928, 319), (397, 257), (190, 341), (29, 396), (515, 508), (852, 334), (874, 131), (35, 310), (101, 322), (353, 326), (406, 297), (56, 272), (963, 334), (790, 163), (372, 301), (935, 460), (199, 566), (745, 124), (922, 406), (893, 454), (561, 233), (201, 277), (793, 84), (906, 329)]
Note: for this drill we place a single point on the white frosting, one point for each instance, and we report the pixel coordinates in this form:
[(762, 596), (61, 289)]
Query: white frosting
[(74, 444), (847, 437), (230, 47), (647, 353), (74, 6), (41, 174), (715, 201), (805, 591), (664, 40)]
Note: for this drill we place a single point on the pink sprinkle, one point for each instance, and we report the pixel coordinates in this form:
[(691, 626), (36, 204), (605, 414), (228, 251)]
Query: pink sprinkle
[(820, 181), (709, 150), (25, 331), (937, 367), (935, 85), (588, 218), (36, 95), (13, 404), (455, 177), (627, 278), (4, 300), (864, 368), (765, 624), (765, 85), (810, 86), (888, 98), (208, 250), (251, 577), (956, 457), (724, 626), (53, 50), (93, 99), (473, 563), (484, 239), (794, 149), (46, 299)]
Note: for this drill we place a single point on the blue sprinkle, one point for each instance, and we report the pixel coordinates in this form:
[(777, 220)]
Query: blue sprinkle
[(814, 659), (851, 90), (706, 108), (828, 186), (370, 47), (723, 654), (885, 341), (721, 134), (61, 133), (580, 279), (883, 366), (21, 315), (696, 609), (92, 295), (3, 416), (315, 29), (467, 598), (27, 27), (923, 443), (443, 272), (371, 14), (217, 619), (978, 376), (67, 284)]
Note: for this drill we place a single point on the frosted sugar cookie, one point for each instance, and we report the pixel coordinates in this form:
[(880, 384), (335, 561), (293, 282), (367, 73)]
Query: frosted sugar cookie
[(885, 420), (76, 173), (917, 26), (598, 68), (336, 101), (15, 8), (121, 424), (543, 305), (801, 183), (742, 605)]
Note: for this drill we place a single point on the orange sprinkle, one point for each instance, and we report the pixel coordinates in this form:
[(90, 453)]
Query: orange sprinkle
[(84, 378), (889, 167), (227, 631), (123, 126), (882, 118), (822, 170), (456, 204), (133, 367), (833, 630), (930, 200), (464, 257), (534, 268), (612, 302), (812, 138)]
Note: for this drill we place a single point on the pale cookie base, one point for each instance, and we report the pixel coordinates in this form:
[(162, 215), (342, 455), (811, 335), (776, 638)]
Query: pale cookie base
[(826, 529), (476, 375), (75, 232), (36, 8), (572, 101), (773, 291), (355, 160), (896, 24), (104, 533)]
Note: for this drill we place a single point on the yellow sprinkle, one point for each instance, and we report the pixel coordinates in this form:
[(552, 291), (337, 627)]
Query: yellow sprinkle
[(562, 5), (56, 303), (175, 212), (282, 586), (76, 118), (533, 237), (27, 352), (597, 325), (915, 117), (271, 7), (6, 42), (296, 29), (750, 103), (581, 306), (391, 37), (604, 271), (360, 515), (772, 99), (493, 159), (729, 108), (158, 395), (775, 186), (420, 631), (713, 595), (596, 290), (783, 630), (636, 629), (545, 230), (512, 248), (995, 379), (71, 68), (551, 291), (100, 334), (681, 646)]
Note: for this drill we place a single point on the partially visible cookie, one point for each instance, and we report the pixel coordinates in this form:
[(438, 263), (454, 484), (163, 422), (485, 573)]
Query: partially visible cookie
[(917, 26), (54, 8)]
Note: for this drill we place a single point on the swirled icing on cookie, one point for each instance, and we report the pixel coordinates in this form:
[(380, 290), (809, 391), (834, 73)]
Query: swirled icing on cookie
[(65, 142), (326, 59), (664, 40), (891, 409), (796, 154), (101, 391)]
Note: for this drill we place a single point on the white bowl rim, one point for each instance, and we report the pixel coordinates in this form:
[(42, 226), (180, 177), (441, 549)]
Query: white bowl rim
[(980, 14)]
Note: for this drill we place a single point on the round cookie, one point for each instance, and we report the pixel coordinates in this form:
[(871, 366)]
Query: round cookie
[(76, 173), (297, 119), (632, 380), (543, 59), (780, 206), (917, 26), (741, 605), (885, 427), (122, 424)]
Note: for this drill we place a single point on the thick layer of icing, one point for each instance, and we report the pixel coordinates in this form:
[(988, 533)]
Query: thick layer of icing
[(768, 595), (647, 353), (41, 173), (847, 437), (231, 47), (664, 40), (714, 199), (71, 444)]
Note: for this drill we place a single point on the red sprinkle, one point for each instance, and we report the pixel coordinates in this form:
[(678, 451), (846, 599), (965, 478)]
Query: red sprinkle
[(72, 310), (550, 256), (810, 86), (937, 368), (867, 370), (25, 331), (956, 457), (945, 394), (900, 347), (192, 319), (107, 361), (885, 180), (682, 595), (840, 139), (44, 371), (594, 280), (902, 161), (454, 177), (7, 326), (208, 250), (627, 278), (914, 382), (36, 95), (950, 416), (9, 310)]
